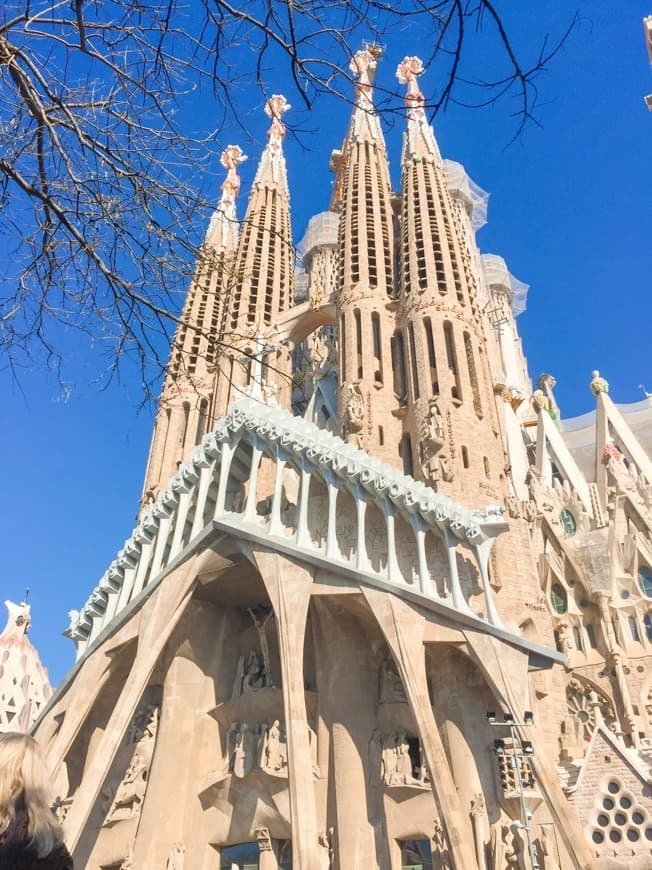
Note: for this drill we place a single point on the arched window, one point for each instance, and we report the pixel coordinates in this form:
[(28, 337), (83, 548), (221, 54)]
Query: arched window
[(343, 347), (558, 598), (577, 636), (358, 340), (568, 523), (398, 365), (405, 452), (633, 627), (413, 361), (465, 457), (590, 631), (432, 359), (645, 580), (375, 332)]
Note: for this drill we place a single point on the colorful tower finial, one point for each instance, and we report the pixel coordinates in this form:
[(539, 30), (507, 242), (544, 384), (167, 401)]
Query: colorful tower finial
[(222, 233), (407, 72), (420, 140), (271, 169)]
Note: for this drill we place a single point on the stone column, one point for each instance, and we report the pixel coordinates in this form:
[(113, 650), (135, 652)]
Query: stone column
[(288, 585), (403, 628), (344, 700), (188, 688), (157, 620)]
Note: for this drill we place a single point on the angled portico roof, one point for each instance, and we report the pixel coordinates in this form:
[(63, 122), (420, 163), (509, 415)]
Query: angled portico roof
[(196, 500)]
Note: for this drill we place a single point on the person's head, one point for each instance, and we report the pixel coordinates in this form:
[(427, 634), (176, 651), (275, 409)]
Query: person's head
[(23, 781)]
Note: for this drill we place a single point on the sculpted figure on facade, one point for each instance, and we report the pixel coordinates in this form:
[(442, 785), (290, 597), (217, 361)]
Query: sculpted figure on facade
[(129, 796), (354, 407), (176, 858), (390, 688), (598, 384), (274, 754), (391, 762), (251, 674)]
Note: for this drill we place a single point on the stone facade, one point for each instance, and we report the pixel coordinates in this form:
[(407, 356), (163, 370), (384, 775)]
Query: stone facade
[(291, 660)]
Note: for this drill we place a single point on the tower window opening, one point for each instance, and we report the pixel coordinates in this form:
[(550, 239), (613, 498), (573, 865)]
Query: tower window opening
[(186, 419), (577, 637), (590, 633), (451, 356), (381, 435), (465, 457), (201, 422), (473, 374), (398, 367), (405, 452), (485, 462), (378, 362), (343, 347), (358, 340), (645, 580), (558, 598), (432, 359), (413, 361)]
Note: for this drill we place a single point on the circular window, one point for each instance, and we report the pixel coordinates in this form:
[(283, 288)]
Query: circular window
[(625, 802), (558, 598), (648, 833), (620, 818), (613, 787), (567, 521), (645, 580), (633, 835), (603, 820), (615, 836), (637, 817), (598, 837), (624, 594), (608, 804)]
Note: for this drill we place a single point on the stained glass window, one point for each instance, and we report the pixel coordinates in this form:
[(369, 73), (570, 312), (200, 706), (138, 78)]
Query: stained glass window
[(567, 521), (558, 598), (645, 580)]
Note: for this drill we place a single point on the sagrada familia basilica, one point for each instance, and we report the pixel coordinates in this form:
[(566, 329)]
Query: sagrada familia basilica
[(383, 607)]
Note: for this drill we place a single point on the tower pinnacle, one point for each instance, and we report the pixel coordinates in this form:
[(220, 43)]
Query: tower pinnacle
[(365, 125), (271, 169), (420, 139), (222, 233)]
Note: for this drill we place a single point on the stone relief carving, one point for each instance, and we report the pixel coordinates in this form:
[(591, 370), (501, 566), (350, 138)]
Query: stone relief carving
[(259, 746), (440, 849), (390, 757), (129, 796), (251, 674), (390, 685), (354, 407), (176, 858), (264, 839), (598, 384)]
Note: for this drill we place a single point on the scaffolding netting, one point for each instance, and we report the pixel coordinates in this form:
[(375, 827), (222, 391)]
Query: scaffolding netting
[(496, 274), (475, 197), (322, 230)]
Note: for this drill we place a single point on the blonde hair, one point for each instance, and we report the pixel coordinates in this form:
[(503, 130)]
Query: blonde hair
[(23, 781)]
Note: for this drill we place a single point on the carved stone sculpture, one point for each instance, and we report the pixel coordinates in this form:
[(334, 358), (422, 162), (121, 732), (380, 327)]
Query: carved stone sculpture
[(354, 407), (389, 757), (264, 840), (598, 385), (176, 858), (129, 796), (390, 689)]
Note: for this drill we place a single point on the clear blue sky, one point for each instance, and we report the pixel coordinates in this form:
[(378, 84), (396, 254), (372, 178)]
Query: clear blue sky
[(569, 211)]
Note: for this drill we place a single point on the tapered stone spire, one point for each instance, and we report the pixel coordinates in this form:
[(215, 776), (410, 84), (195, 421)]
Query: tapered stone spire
[(262, 277), (365, 279), (186, 407), (264, 261), (24, 683), (444, 377)]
